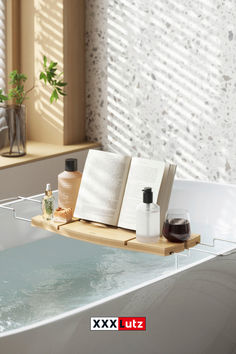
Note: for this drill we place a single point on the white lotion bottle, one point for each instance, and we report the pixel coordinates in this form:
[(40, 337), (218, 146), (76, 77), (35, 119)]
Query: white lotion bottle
[(147, 219), (68, 185)]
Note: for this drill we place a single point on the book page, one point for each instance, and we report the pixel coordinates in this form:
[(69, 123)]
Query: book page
[(142, 173), (165, 190), (102, 187)]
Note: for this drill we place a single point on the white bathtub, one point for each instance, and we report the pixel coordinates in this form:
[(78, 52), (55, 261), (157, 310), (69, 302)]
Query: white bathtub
[(52, 287)]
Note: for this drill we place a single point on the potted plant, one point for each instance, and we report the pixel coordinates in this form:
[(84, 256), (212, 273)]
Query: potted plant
[(16, 112)]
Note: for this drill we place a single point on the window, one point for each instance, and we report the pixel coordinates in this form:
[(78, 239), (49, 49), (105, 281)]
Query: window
[(2, 45), (3, 124)]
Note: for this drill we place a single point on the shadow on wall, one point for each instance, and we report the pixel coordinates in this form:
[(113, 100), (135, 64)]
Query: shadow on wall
[(46, 22), (49, 24), (161, 82)]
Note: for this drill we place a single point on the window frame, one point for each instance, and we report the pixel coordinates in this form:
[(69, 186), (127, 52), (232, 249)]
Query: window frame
[(74, 61)]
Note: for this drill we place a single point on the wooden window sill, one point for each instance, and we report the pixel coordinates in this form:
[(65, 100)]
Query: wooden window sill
[(39, 151)]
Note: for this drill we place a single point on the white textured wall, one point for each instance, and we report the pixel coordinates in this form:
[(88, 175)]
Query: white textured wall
[(161, 82)]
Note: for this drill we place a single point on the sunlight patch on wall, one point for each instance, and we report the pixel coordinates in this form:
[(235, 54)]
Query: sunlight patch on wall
[(161, 82)]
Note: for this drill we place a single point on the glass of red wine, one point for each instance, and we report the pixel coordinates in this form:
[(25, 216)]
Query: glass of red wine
[(176, 227)]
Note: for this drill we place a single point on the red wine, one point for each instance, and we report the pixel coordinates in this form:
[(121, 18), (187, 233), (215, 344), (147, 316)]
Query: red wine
[(176, 230)]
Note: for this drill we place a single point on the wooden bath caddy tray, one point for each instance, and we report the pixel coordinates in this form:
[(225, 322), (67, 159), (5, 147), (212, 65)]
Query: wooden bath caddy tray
[(112, 236)]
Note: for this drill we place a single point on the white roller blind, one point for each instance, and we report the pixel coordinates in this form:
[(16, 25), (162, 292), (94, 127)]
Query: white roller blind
[(3, 120)]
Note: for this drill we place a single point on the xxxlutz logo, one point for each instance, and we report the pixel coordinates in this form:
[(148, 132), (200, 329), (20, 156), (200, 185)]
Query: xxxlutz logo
[(118, 323)]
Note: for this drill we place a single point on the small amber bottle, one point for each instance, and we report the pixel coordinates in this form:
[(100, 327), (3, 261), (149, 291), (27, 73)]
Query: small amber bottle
[(48, 203)]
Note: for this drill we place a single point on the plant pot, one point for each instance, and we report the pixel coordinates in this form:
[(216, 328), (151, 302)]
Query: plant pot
[(16, 121)]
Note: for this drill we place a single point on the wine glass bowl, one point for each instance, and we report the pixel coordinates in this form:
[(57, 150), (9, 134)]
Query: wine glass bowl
[(176, 227)]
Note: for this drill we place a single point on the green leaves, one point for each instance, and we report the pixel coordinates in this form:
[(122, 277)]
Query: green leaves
[(43, 77), (17, 78), (17, 92), (50, 76), (44, 62), (54, 96), (2, 96)]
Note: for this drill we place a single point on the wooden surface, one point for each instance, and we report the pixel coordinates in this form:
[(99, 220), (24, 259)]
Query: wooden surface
[(74, 70), (113, 236), (38, 151), (97, 233), (87, 231), (192, 241), (13, 36), (49, 225), (163, 247)]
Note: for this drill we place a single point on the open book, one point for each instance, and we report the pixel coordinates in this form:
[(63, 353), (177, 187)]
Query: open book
[(111, 187)]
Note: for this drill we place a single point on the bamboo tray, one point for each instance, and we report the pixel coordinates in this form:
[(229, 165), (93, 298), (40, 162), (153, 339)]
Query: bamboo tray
[(112, 236)]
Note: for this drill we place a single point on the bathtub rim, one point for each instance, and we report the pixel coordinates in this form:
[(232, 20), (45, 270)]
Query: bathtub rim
[(119, 294), (181, 180)]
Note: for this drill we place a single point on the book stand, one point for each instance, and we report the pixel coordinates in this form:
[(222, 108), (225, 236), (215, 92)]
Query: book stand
[(113, 236)]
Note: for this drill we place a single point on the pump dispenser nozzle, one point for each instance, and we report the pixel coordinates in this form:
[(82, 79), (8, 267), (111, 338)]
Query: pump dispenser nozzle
[(147, 195)]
